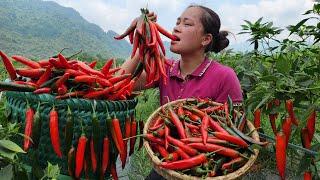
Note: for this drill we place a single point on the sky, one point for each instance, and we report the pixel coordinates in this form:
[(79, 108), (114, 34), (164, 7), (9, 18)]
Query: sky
[(116, 15)]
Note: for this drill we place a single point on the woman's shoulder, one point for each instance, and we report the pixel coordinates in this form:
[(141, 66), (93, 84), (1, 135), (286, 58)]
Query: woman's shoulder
[(221, 69)]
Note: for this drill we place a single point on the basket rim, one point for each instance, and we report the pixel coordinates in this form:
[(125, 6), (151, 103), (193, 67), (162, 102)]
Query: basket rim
[(171, 174)]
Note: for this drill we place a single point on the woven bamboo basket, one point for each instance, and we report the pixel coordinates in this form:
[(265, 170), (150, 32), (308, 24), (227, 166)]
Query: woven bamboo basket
[(174, 175), (81, 108)]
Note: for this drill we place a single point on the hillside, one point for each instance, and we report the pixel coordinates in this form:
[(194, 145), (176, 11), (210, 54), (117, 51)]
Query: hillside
[(38, 29)]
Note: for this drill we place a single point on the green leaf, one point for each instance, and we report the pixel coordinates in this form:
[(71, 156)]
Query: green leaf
[(11, 146), (283, 65), (297, 26), (52, 171), (317, 137), (269, 78), (7, 153)]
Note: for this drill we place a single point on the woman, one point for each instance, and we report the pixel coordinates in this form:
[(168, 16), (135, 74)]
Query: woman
[(194, 75)]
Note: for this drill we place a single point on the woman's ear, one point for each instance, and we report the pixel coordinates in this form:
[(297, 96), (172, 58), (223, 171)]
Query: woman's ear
[(207, 38)]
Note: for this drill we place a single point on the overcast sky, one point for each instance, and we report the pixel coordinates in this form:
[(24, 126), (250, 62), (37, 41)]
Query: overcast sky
[(116, 15)]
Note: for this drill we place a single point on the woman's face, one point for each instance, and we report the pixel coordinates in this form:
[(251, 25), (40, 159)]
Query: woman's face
[(189, 31)]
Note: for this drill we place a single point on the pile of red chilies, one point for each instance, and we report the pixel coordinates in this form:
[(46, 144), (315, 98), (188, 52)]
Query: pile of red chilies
[(95, 152), (199, 138), (66, 78), (145, 37)]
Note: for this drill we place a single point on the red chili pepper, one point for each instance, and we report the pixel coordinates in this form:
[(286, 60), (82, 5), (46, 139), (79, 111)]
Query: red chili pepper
[(166, 33), (87, 69), (96, 94), (135, 45), (93, 156), (286, 128), (131, 35), (216, 126), (219, 149), (105, 69), (54, 132), (176, 121), (32, 73), (42, 90), (281, 149), (307, 175), (28, 128), (231, 163), (166, 135), (162, 151), (114, 171), (159, 41), (182, 154), (118, 78), (28, 62), (211, 140), (55, 63), (158, 122), (192, 116), (306, 141), (173, 156), (105, 155), (151, 138), (186, 148), (185, 163), (63, 61), (230, 138), (62, 89), (257, 118), (103, 82), (45, 76), (311, 121), (74, 73), (93, 64), (117, 137), (130, 29), (80, 154), (133, 133), (204, 128), (62, 79), (272, 118), (44, 63), (289, 107)]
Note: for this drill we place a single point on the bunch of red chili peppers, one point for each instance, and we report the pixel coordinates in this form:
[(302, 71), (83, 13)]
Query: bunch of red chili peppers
[(66, 77), (201, 138), (283, 133), (95, 152), (145, 37)]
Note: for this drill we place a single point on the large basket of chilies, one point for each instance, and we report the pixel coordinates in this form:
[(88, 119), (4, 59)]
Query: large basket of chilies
[(200, 139), (64, 104), (82, 112)]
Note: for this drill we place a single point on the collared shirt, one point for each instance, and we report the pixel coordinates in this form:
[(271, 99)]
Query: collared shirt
[(209, 80)]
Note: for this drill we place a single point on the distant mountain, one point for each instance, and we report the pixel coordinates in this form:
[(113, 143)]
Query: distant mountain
[(39, 29)]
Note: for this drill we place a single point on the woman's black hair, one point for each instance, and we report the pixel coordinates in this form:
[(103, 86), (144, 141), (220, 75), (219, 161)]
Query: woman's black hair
[(211, 24)]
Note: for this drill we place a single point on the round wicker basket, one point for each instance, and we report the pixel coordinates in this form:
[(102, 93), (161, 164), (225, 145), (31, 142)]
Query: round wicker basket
[(173, 175)]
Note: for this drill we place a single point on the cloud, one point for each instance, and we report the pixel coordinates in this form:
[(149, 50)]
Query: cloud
[(281, 12), (116, 15)]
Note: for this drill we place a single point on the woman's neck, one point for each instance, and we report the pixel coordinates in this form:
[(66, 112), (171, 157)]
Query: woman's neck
[(189, 63)]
